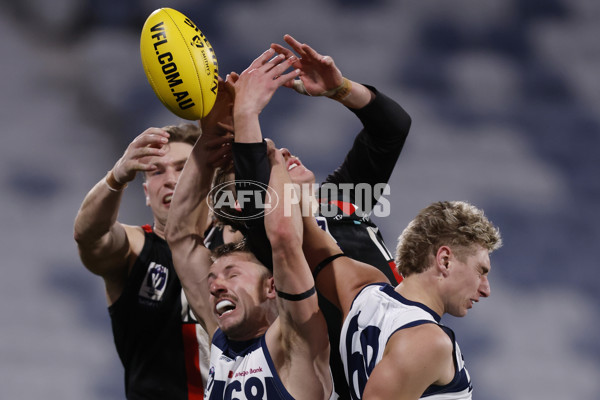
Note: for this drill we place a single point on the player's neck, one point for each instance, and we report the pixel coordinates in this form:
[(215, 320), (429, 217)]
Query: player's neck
[(159, 230), (421, 288), (246, 336)]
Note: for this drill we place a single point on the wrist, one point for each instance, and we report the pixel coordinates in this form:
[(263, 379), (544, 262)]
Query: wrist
[(244, 115), (247, 128), (112, 183), (341, 92)]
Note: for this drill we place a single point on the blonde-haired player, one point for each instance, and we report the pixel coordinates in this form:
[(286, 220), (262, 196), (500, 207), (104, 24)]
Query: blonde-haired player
[(393, 344)]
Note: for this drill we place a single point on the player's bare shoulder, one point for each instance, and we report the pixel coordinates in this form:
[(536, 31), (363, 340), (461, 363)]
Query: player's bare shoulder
[(136, 237), (426, 344)]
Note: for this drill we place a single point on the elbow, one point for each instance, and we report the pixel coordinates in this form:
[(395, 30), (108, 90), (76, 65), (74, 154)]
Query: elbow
[(403, 124), (78, 231), (175, 234), (407, 122), (78, 237), (76, 234), (81, 235), (177, 223), (171, 233), (399, 121), (285, 238)]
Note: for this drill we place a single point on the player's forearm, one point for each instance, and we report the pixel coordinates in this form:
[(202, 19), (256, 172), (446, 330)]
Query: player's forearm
[(189, 207), (184, 235), (298, 302), (383, 118), (294, 282), (247, 126), (97, 214), (191, 261), (376, 148), (317, 244)]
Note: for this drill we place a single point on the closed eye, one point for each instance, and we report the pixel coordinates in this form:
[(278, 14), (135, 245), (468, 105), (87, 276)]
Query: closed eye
[(231, 271), (157, 171)]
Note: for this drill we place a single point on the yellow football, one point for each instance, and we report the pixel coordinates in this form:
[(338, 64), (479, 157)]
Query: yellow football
[(180, 63)]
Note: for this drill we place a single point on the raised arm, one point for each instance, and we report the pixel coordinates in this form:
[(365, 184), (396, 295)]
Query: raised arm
[(297, 340), (184, 235), (250, 151), (254, 89), (377, 146), (318, 75), (301, 327), (386, 124), (107, 247)]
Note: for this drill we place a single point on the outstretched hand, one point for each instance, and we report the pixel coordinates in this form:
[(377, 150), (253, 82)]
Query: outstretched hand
[(215, 151), (318, 73), (221, 114), (137, 156), (256, 85)]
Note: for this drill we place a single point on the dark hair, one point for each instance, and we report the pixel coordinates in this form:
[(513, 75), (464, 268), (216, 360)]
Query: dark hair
[(240, 246), (226, 215), (228, 248)]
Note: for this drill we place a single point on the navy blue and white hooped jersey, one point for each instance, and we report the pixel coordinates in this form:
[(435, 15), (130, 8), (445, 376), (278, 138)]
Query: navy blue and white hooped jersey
[(376, 314), (242, 370)]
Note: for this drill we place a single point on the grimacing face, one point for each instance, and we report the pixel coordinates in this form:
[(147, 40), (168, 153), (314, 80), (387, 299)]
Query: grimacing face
[(160, 184), (240, 292), (469, 280)]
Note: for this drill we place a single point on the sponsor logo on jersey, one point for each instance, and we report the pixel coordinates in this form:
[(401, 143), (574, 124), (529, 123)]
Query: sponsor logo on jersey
[(241, 385), (155, 282), (250, 388)]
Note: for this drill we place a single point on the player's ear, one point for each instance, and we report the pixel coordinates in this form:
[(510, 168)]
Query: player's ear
[(146, 193), (442, 260), (270, 288)]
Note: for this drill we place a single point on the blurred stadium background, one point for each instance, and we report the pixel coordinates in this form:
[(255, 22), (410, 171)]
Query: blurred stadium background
[(505, 100)]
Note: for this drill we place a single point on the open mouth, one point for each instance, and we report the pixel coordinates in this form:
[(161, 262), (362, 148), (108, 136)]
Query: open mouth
[(224, 307), (167, 199), (293, 164)]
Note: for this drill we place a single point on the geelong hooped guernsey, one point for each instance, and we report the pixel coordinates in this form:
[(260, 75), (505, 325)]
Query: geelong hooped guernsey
[(162, 347), (242, 370), (376, 314)]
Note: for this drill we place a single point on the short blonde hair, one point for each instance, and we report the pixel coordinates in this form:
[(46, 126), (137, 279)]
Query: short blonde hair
[(451, 223), (185, 132)]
